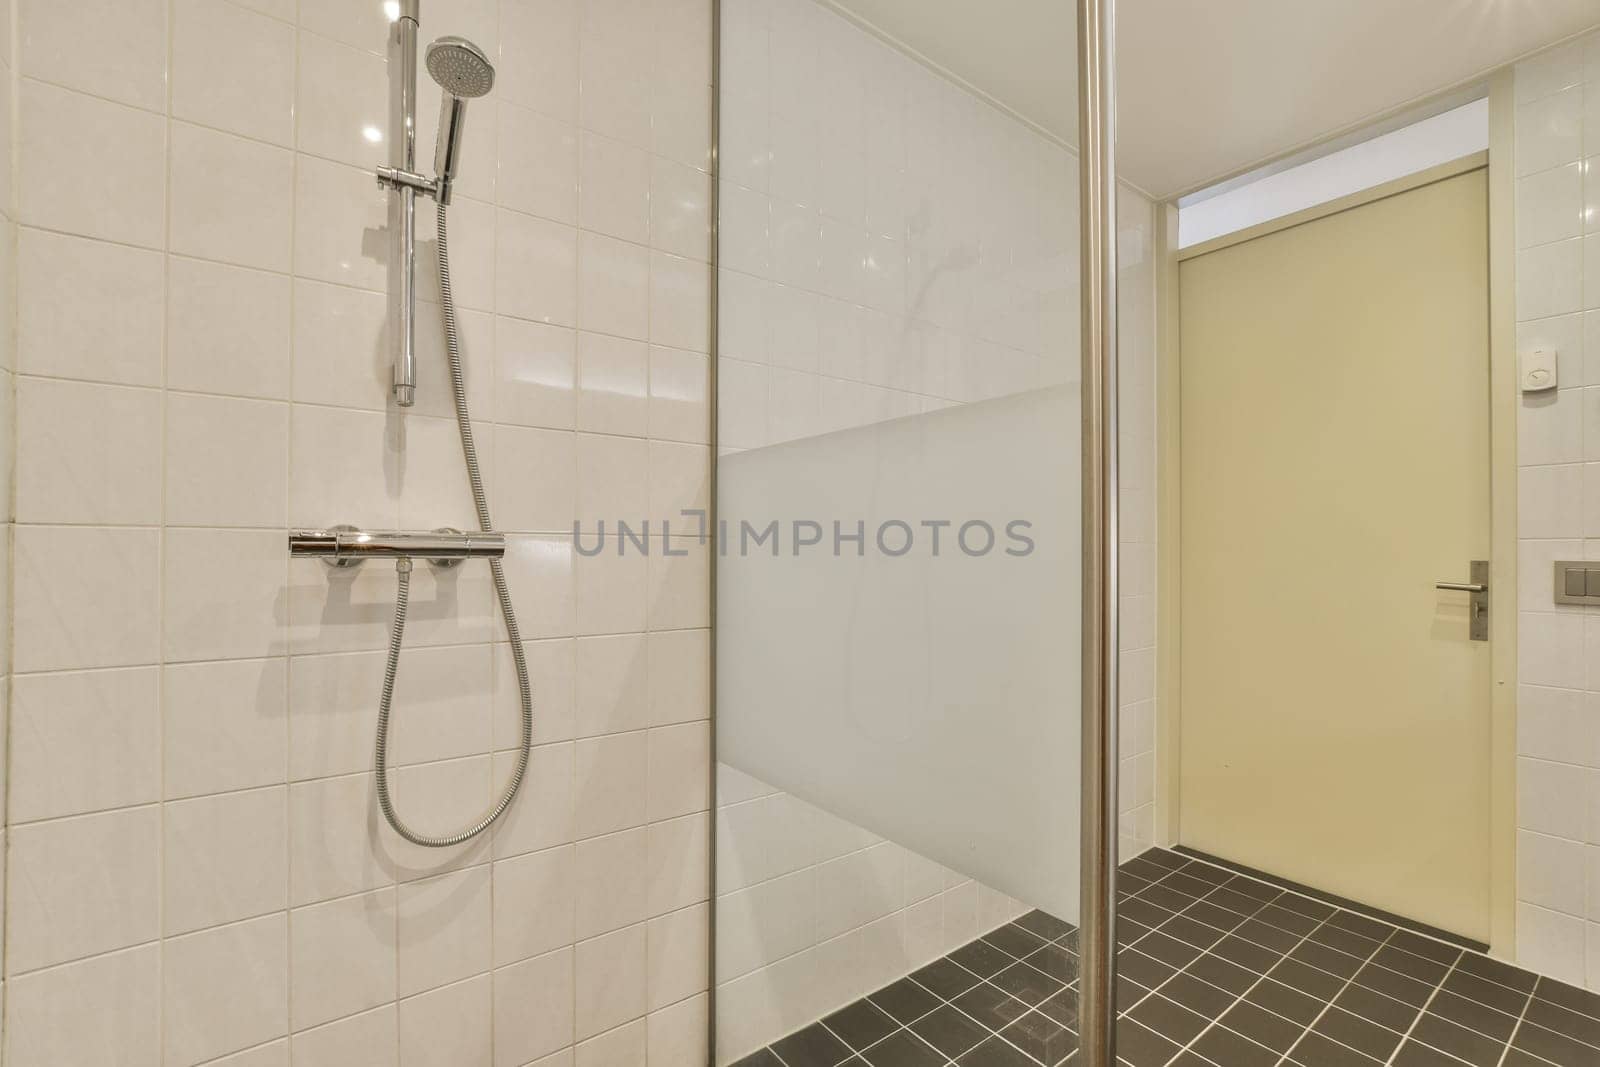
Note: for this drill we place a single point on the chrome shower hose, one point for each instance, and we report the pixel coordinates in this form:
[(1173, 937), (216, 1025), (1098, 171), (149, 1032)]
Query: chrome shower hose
[(403, 591)]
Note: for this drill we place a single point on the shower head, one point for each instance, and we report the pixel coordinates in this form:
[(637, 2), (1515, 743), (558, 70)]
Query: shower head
[(464, 73), (460, 67)]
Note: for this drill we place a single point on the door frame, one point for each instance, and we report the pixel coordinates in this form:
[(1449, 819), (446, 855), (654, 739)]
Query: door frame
[(1502, 490)]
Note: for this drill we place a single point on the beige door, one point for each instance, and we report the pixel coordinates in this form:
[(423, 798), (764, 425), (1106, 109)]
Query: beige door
[(1335, 465)]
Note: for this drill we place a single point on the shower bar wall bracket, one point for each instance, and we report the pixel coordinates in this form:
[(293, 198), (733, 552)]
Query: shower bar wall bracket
[(347, 546)]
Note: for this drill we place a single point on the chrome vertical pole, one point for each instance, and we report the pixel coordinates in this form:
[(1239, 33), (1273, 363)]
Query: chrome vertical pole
[(403, 202), (1098, 212)]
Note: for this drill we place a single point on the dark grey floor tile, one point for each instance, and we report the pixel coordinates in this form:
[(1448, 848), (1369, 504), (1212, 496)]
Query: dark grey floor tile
[(996, 1052), (860, 1024), (1557, 1048), (1169, 856), (1373, 1006), (1141, 1046), (1015, 941), (1223, 1046), (1427, 947), (1418, 967), (1197, 995), (981, 958), (1268, 936), (1314, 1050), (1413, 1054), (950, 1031), (1284, 919), (1307, 979), (763, 1058), (905, 1000), (1315, 909), (1063, 1008), (1493, 994), (1227, 897), (1192, 931), (1363, 925), (990, 1006), (1253, 888), (1149, 866), (1285, 1001), (815, 1046), (1327, 959), (1028, 984), (1129, 993), (1460, 1042), (1045, 925), (1129, 884), (1041, 1037), (1221, 973), (1220, 919), (1143, 969), (1482, 966), (1169, 950), (1247, 954), (1570, 997), (1184, 882), (1055, 961), (1262, 1026), (1363, 1035), (1170, 1019), (904, 1049), (1170, 899), (1394, 984), (1128, 931), (1474, 1016), (1207, 872), (1518, 1058), (945, 978), (1573, 1025), (1344, 940)]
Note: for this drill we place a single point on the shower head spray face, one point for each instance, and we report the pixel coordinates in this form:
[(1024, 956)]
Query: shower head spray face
[(460, 67)]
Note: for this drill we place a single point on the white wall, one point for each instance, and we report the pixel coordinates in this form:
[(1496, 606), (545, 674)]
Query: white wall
[(197, 867), (891, 245), (1558, 305)]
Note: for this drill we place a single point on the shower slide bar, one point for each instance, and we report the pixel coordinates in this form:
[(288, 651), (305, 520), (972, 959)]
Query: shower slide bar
[(346, 546)]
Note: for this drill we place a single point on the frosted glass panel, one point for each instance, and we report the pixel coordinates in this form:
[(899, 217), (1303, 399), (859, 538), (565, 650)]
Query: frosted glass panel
[(920, 681), (897, 354)]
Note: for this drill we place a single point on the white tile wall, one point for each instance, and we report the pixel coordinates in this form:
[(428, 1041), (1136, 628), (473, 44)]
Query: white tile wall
[(1558, 706), (198, 870), (891, 245)]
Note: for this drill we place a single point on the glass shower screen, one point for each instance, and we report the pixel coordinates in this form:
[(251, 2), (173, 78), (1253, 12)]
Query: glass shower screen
[(897, 514)]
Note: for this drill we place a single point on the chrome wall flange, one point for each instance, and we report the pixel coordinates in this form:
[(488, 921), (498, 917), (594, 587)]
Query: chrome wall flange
[(442, 562)]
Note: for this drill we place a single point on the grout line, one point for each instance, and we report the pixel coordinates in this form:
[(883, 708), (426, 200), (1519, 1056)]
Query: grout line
[(1432, 996), (1518, 1028), (1328, 1006)]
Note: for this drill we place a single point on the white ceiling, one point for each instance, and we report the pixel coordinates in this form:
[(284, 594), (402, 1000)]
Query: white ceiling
[(1208, 88)]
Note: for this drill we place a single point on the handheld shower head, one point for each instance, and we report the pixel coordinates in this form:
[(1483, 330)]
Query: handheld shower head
[(460, 67), (464, 72)]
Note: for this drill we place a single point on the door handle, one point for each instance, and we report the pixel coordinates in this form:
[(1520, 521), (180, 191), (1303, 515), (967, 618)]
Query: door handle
[(1478, 627)]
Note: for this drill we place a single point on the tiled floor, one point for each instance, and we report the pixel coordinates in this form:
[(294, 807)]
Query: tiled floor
[(1215, 970)]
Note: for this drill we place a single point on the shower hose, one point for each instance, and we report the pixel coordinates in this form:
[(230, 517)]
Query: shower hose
[(403, 591)]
